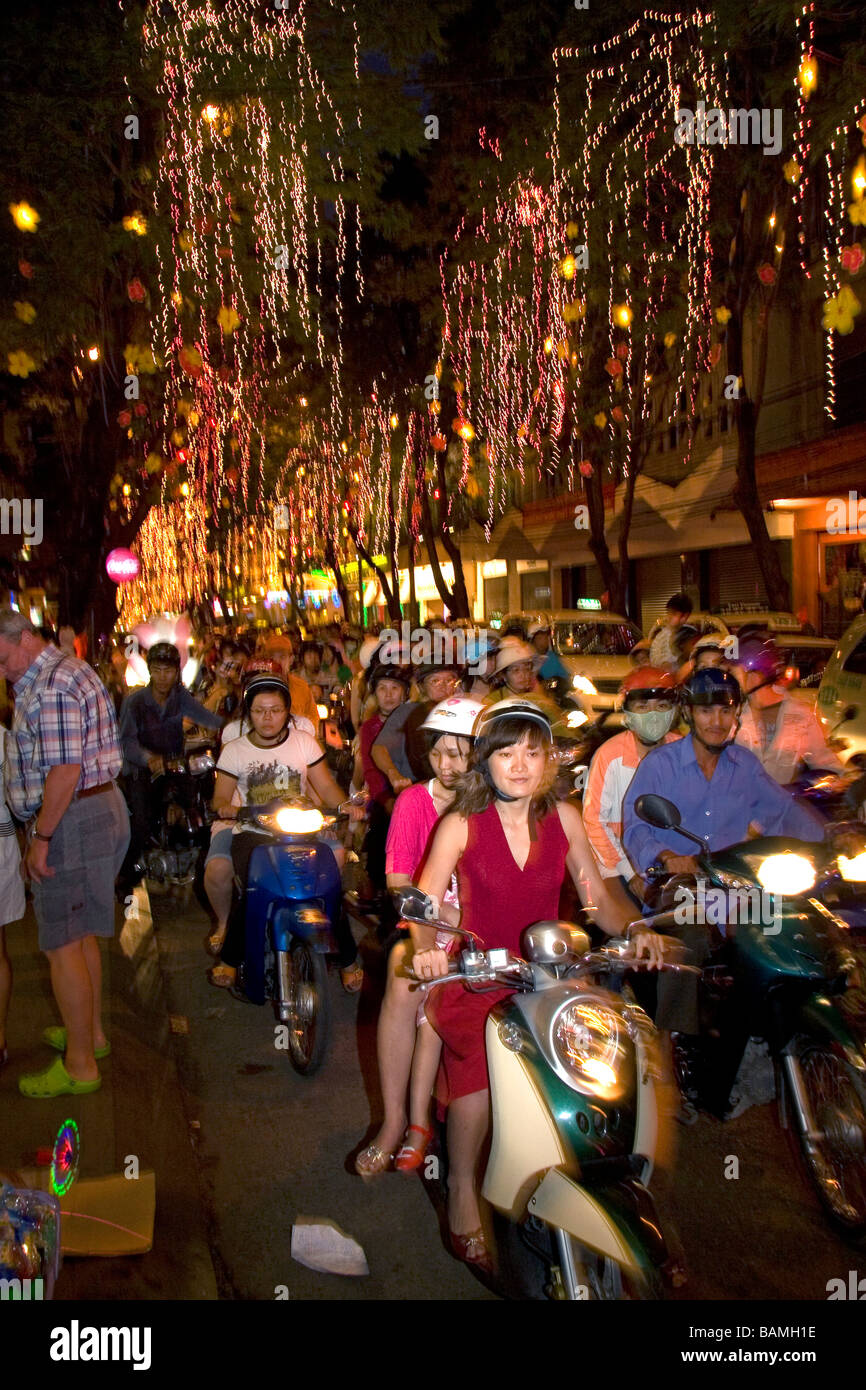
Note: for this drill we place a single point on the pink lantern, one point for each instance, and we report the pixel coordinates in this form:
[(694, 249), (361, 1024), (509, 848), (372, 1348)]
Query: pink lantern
[(122, 565)]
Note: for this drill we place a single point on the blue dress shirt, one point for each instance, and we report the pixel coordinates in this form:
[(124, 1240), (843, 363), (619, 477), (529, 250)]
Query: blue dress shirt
[(720, 810)]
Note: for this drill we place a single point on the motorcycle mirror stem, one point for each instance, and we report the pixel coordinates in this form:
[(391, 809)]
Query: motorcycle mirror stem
[(664, 815)]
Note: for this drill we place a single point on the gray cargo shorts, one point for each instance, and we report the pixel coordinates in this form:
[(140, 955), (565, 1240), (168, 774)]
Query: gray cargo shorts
[(86, 852)]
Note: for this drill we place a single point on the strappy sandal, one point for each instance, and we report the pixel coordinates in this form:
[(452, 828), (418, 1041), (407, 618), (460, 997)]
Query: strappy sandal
[(372, 1161), (472, 1249), (411, 1156)]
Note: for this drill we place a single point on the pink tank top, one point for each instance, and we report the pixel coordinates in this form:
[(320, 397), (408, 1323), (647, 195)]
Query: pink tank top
[(498, 899)]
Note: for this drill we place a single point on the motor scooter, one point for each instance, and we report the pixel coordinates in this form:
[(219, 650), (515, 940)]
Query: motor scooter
[(783, 970), (174, 856), (292, 898), (573, 1087)]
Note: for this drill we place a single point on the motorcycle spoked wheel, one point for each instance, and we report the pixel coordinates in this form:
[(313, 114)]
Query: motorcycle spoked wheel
[(835, 1163), (528, 1250), (309, 1026)]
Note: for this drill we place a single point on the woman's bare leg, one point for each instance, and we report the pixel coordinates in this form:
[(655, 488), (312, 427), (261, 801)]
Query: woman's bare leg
[(425, 1064), (468, 1123), (395, 1040)]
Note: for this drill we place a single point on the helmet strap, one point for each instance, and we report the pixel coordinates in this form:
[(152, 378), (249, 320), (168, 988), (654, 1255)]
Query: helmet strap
[(500, 796)]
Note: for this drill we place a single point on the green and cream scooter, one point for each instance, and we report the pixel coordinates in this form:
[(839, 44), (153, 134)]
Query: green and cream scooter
[(573, 1078)]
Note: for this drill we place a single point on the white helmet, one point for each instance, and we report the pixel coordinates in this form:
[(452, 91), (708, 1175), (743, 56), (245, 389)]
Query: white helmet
[(537, 625), (516, 708), (456, 715), (512, 650), (368, 648)]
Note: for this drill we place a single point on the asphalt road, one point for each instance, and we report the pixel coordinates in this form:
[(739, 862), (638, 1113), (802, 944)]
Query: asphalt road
[(273, 1147)]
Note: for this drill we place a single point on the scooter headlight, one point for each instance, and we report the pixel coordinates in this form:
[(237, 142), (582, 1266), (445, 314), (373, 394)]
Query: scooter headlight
[(587, 1040), (299, 820), (575, 718), (322, 711), (201, 762), (786, 873), (584, 685), (853, 870)]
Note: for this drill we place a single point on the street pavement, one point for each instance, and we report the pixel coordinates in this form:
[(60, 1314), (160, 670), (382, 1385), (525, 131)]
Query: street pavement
[(243, 1147)]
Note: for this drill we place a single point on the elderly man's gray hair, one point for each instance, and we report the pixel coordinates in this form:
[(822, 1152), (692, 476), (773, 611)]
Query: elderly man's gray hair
[(12, 624)]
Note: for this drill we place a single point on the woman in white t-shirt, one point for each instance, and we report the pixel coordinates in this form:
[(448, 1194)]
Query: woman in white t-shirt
[(276, 758), (11, 896)]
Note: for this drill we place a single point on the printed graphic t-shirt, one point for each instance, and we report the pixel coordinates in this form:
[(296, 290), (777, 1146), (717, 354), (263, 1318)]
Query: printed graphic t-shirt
[(264, 773)]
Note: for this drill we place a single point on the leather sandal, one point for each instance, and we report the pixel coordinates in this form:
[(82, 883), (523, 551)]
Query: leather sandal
[(472, 1249), (352, 976), (372, 1161), (411, 1156), (215, 942)]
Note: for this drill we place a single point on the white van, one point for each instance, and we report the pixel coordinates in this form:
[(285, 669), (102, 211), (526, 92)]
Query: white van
[(841, 704)]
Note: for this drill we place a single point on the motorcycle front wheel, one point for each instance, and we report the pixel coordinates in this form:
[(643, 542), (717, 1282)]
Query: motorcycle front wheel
[(310, 1009), (529, 1255), (834, 1153)]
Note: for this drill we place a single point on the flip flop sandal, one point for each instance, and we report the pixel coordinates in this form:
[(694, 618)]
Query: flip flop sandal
[(411, 1156), (215, 943), (56, 1037), (352, 977), (55, 1081), (220, 978)]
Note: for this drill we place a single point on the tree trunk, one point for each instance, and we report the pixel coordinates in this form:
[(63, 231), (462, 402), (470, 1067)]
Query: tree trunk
[(391, 599), (414, 612), (610, 572), (746, 495)]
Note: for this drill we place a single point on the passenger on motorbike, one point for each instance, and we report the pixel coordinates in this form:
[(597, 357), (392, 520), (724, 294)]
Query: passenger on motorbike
[(276, 758), (509, 843), (515, 676), (390, 686), (783, 733), (399, 749), (648, 699), (152, 730), (405, 1040)]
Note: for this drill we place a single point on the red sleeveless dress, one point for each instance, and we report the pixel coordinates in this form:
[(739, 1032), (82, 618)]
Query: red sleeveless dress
[(498, 900)]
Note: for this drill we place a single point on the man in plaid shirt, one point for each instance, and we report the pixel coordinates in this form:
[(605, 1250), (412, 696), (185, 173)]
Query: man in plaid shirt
[(61, 760)]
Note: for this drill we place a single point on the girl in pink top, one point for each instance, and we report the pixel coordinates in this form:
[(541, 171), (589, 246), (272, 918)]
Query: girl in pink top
[(405, 1042)]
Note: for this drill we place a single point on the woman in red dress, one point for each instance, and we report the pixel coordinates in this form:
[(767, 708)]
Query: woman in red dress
[(509, 842)]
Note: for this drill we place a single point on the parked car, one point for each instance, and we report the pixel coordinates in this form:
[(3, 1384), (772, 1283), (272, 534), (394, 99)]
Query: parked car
[(841, 704), (593, 646)]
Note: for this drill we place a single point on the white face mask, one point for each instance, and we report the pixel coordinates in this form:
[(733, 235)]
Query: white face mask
[(650, 725)]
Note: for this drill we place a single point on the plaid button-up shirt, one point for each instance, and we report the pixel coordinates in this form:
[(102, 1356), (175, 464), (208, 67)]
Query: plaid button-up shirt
[(63, 714)]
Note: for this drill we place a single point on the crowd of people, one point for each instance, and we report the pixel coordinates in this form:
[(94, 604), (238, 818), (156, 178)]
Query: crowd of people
[(453, 784)]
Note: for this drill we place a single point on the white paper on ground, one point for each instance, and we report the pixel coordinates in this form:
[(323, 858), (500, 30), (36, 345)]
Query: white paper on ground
[(320, 1244)]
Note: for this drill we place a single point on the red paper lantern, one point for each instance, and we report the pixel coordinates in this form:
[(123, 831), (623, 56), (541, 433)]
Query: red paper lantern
[(136, 291), (439, 443)]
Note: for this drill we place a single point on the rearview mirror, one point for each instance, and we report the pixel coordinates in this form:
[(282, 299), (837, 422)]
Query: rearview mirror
[(657, 811)]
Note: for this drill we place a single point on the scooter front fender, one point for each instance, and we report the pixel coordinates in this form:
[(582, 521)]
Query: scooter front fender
[(305, 922), (618, 1221), (820, 1017)]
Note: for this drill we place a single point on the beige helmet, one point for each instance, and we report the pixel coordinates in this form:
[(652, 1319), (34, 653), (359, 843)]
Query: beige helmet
[(512, 650)]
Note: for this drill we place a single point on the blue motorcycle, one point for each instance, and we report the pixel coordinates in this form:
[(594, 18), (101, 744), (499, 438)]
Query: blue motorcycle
[(293, 895)]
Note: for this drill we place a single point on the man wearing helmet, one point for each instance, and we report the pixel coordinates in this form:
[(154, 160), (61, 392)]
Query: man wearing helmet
[(650, 709), (720, 788), (399, 750), (151, 730), (783, 734)]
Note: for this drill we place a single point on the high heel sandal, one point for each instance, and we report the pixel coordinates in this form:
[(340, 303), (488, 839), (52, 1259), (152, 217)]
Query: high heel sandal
[(410, 1156), (372, 1161), (472, 1249)]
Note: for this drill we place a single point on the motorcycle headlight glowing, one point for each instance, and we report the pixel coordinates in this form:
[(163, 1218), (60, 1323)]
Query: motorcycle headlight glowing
[(786, 873), (584, 685), (299, 820), (576, 717), (322, 711), (201, 762), (853, 870), (586, 1039)]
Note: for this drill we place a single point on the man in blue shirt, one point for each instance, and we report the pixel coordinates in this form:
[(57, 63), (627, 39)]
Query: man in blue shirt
[(722, 793), (151, 730), (721, 789)]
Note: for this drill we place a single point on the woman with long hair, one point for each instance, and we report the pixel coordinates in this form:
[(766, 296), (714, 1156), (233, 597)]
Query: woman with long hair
[(509, 842)]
